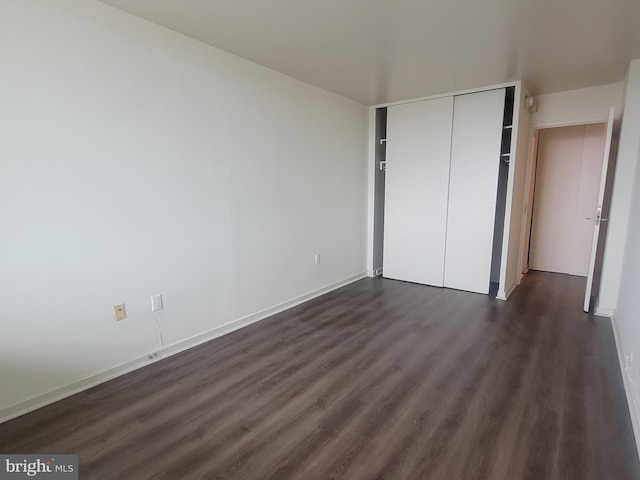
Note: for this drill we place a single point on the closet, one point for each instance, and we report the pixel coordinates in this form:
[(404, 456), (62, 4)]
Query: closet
[(443, 205)]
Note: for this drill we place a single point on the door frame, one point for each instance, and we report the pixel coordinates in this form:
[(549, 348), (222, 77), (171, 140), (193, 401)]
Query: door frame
[(534, 135), (528, 202)]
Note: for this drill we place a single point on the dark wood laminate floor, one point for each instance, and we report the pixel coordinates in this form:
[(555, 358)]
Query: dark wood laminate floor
[(378, 380)]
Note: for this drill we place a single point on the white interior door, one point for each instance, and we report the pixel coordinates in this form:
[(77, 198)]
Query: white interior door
[(567, 180), (416, 189), (597, 217), (473, 183)]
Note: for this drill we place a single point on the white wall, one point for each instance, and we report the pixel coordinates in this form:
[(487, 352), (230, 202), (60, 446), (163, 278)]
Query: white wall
[(585, 105), (627, 307), (626, 161), (136, 161)]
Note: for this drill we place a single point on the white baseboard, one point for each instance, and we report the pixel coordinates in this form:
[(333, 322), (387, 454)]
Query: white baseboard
[(604, 311), (504, 295), (91, 381), (630, 388)]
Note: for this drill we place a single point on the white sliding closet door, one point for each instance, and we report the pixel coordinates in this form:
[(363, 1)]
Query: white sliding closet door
[(416, 185), (475, 157)]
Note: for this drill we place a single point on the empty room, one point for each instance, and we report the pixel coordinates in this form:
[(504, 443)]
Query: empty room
[(312, 240)]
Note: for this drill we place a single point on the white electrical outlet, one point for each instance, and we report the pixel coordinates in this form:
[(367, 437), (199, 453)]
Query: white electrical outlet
[(119, 312), (316, 258), (156, 302)]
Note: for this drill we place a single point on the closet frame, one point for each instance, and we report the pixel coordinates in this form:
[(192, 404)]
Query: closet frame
[(505, 274)]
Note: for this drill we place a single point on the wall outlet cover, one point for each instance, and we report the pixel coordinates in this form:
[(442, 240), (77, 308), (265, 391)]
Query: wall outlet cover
[(119, 312), (156, 303)]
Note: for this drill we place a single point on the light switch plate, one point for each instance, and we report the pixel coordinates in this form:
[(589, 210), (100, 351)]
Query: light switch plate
[(156, 302)]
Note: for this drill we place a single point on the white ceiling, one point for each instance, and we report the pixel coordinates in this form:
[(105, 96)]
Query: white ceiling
[(377, 51)]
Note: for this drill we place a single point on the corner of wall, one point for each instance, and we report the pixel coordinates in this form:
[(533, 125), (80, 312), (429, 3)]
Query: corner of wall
[(504, 295), (56, 394), (630, 385)]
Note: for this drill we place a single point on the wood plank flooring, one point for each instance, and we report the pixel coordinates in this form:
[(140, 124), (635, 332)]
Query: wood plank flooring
[(378, 380)]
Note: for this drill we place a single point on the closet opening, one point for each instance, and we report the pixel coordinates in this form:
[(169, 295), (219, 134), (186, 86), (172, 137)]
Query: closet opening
[(501, 193), (379, 183)]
